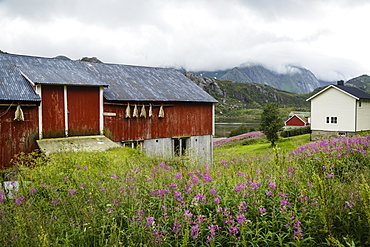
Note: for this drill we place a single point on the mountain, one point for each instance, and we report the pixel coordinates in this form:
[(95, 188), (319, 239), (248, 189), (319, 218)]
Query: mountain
[(292, 79), (235, 98), (361, 82)]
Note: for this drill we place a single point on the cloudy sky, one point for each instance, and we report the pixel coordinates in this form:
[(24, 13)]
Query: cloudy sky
[(329, 37)]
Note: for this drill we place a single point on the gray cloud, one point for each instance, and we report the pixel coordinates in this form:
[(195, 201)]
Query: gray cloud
[(195, 34)]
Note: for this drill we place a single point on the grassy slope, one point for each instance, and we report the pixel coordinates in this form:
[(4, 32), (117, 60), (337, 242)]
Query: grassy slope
[(263, 147)]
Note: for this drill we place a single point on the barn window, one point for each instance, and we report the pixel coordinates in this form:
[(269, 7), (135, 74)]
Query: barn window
[(180, 146), (133, 144)]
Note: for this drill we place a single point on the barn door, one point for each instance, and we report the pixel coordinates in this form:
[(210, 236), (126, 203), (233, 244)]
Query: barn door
[(53, 124), (83, 110)]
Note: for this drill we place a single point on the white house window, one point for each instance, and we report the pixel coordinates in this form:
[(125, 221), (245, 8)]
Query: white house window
[(331, 120)]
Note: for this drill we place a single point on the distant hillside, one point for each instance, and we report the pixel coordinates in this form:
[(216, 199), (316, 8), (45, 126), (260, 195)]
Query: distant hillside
[(362, 82), (295, 79), (235, 97)]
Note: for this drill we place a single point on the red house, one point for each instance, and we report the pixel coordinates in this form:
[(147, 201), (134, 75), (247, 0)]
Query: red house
[(159, 109), (298, 119)]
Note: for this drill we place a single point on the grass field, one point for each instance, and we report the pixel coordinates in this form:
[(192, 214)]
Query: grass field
[(298, 194)]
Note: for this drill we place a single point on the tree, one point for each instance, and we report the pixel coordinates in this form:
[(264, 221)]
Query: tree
[(271, 122)]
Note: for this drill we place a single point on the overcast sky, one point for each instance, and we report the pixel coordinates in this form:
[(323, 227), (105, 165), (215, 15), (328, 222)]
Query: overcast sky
[(329, 37)]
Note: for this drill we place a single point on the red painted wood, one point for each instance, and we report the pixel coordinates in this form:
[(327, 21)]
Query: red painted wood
[(52, 111), (83, 108), (181, 119), (17, 136), (295, 121)]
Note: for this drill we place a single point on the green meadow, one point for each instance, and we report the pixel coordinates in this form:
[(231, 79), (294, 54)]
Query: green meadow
[(298, 194)]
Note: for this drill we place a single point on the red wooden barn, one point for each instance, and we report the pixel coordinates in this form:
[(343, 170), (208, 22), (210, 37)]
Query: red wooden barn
[(297, 120), (159, 109)]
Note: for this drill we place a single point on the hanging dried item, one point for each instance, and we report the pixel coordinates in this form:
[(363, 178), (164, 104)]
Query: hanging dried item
[(135, 113), (128, 111), (150, 110), (161, 112), (143, 112), (19, 113)]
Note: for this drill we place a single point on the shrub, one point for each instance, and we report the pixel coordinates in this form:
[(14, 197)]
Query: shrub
[(296, 131), (241, 129)]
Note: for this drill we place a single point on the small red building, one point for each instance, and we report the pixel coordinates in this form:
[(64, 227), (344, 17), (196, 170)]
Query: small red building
[(159, 109), (298, 119)]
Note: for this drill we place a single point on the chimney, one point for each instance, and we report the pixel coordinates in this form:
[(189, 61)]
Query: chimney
[(340, 83)]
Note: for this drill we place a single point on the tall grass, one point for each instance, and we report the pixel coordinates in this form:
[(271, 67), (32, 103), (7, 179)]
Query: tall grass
[(121, 197)]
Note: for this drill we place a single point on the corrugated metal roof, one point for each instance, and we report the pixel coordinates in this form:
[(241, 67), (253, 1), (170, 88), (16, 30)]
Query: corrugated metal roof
[(55, 71), (135, 83), (13, 86), (125, 83)]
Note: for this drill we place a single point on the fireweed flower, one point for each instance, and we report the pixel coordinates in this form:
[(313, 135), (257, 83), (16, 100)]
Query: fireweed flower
[(242, 206), (212, 232), (330, 175), (194, 231), (176, 228), (223, 162), (240, 174), (240, 218), (72, 192), (33, 191), (188, 215), (178, 175), (349, 204), (213, 191), (263, 211), (233, 231), (150, 221), (19, 200), (272, 186)]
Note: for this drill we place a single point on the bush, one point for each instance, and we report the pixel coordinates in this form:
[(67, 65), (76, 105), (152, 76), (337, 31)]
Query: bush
[(241, 129), (296, 131)]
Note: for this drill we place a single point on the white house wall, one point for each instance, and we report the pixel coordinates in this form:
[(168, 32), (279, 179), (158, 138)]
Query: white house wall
[(333, 103), (363, 116)]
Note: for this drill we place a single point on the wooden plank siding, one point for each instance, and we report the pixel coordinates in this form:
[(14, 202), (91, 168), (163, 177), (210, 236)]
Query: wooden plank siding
[(295, 121), (181, 119), (17, 136), (53, 124), (83, 110)]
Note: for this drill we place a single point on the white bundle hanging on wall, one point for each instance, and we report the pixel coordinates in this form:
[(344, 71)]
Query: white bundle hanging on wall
[(128, 111), (143, 112), (161, 112), (135, 113), (19, 113), (150, 110)]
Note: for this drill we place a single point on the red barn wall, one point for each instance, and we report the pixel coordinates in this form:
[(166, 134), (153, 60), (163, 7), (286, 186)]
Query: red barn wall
[(17, 136), (181, 119), (295, 121)]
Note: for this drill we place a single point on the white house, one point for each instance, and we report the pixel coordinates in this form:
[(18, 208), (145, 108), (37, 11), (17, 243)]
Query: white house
[(339, 110)]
